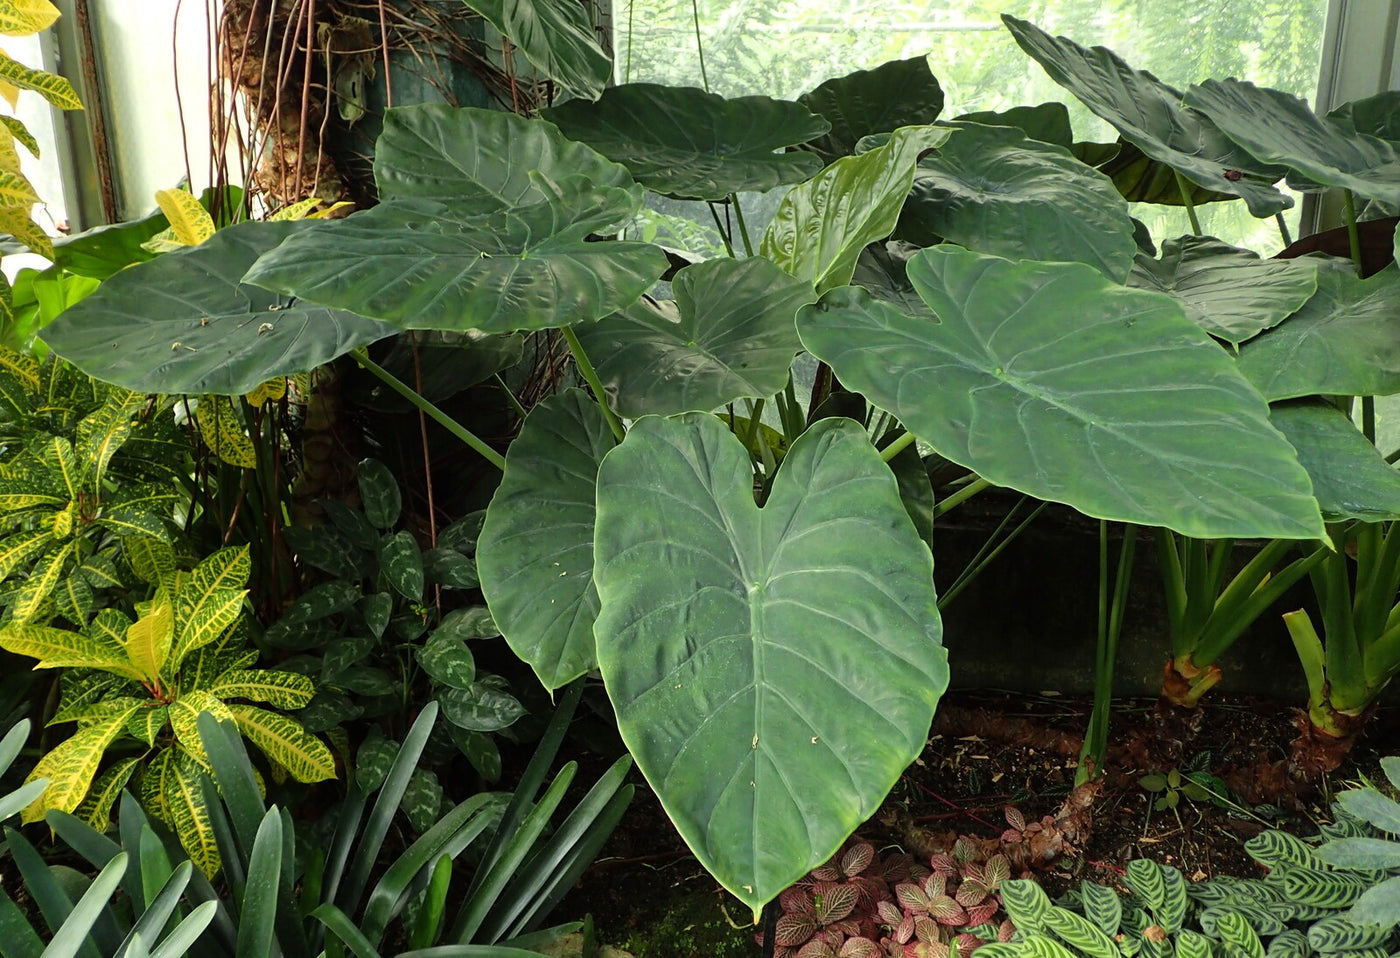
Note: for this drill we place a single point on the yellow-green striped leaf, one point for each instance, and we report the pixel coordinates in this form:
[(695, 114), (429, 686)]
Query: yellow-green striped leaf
[(20, 18), (19, 548), (283, 690), (152, 559), (49, 86), (285, 742), (149, 638), (16, 221), (59, 648), (210, 601), (271, 391), (184, 802), (71, 765), (25, 369), (58, 454), (96, 808), (148, 723), (223, 433), (73, 599), (108, 628), (13, 499), (43, 579), (104, 431), (184, 715), (15, 189), (154, 784), (188, 218), (296, 211), (80, 689), (21, 133)]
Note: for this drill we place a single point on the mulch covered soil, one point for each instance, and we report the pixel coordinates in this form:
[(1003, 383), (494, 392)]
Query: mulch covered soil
[(989, 751)]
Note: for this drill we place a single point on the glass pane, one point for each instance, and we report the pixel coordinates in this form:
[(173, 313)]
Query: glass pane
[(43, 174), (783, 48)]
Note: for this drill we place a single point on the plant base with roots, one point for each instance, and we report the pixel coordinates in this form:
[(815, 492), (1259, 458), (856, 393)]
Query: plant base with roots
[(1184, 682), (1325, 739)]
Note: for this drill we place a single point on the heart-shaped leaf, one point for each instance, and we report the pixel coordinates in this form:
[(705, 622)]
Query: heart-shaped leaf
[(423, 265), (447, 660), (774, 670), (821, 226), (1350, 478), (535, 552), (480, 161), (705, 148), (186, 323), (729, 334), (1278, 127), (1231, 292), (556, 36), (480, 708), (1377, 116), (993, 189), (1149, 114), (1046, 122), (1050, 379), (1344, 341), (894, 94), (1141, 179)]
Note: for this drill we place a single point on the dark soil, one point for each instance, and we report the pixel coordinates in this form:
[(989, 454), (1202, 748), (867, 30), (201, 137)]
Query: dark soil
[(988, 751)]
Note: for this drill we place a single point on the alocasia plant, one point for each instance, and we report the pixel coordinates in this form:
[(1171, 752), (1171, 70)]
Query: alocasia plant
[(136, 688)]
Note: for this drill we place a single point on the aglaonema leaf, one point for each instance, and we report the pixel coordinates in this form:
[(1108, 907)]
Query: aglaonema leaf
[(186, 323), (1050, 379), (535, 552), (708, 148), (754, 653)]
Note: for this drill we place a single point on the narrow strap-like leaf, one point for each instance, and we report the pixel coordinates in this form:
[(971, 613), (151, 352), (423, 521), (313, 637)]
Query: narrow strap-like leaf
[(234, 774), (344, 929), (152, 921), (257, 920), (178, 942), (17, 938), (72, 938)]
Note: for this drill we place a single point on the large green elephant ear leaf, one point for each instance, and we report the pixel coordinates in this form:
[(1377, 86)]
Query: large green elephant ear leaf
[(424, 265), (1141, 179), (480, 161), (1278, 127), (1377, 116), (535, 552), (1350, 477), (729, 334), (773, 670), (821, 226), (707, 148), (1046, 122), (1345, 341), (186, 323), (895, 94), (556, 36), (995, 190), (1231, 292), (1149, 114), (1050, 379)]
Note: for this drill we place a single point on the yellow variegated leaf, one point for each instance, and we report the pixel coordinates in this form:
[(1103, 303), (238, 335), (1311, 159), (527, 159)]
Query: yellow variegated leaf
[(24, 368), (21, 133), (15, 190), (43, 579), (184, 715), (151, 559), (272, 390), (189, 817), (229, 568), (223, 433), (9, 154), (51, 87), (331, 210), (283, 690), (285, 742), (64, 520), (18, 501), (210, 601), (19, 18), (70, 765), (155, 784), (148, 723), (108, 627), (149, 639), (103, 431), (18, 223), (190, 221), (10, 92), (96, 808), (59, 648), (59, 455), (297, 211), (300, 385), (73, 598), (19, 548), (163, 242)]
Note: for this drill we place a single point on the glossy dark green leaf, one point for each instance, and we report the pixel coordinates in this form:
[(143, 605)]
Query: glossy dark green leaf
[(422, 799), (1377, 116), (728, 335), (1350, 478), (558, 39), (480, 749), (1047, 378), (690, 144), (470, 623), (480, 708), (1047, 122), (774, 670), (450, 569), (447, 660), (883, 271), (402, 562), (1231, 292), (427, 265), (319, 602), (1149, 114), (379, 494), (341, 654), (821, 226), (1280, 128), (1141, 179), (373, 761), (1344, 341), (894, 94), (535, 553), (447, 363), (994, 190), (186, 323), (481, 161), (351, 523), (325, 549), (377, 608)]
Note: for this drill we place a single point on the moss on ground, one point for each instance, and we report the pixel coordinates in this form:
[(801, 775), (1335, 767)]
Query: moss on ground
[(690, 925)]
